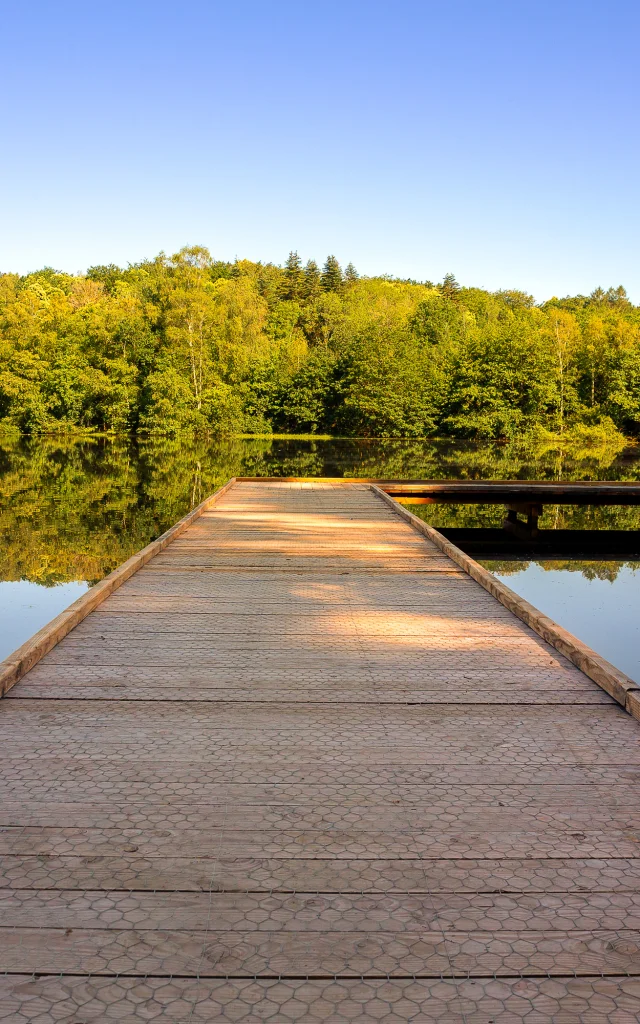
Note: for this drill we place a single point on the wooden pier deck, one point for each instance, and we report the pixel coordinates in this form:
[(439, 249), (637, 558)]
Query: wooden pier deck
[(302, 767)]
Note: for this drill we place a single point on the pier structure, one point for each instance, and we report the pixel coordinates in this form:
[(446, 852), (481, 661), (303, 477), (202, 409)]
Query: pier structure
[(300, 760)]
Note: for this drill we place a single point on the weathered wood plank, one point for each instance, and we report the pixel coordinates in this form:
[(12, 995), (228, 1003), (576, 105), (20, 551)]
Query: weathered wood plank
[(435, 673), (330, 844), (317, 913), (217, 954), (370, 777), (134, 872), (507, 815), (194, 796), (390, 695), (563, 1000)]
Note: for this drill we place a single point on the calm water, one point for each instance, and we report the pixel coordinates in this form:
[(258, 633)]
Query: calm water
[(599, 602), (70, 511), (25, 607)]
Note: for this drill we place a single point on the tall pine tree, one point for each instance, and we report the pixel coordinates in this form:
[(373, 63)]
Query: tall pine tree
[(350, 273), (312, 286), (449, 286), (331, 279), (294, 277)]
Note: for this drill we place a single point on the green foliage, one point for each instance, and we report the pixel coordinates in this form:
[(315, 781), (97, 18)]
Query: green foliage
[(331, 279), (304, 397), (294, 277), (449, 286), (350, 273), (187, 343), (312, 283)]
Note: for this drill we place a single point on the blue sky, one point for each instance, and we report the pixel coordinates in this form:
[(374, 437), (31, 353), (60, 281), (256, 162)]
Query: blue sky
[(499, 141)]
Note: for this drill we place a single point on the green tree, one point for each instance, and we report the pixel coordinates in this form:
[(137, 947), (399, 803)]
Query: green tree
[(331, 279), (312, 281), (108, 275), (449, 286), (189, 315), (562, 336), (350, 273), (168, 402), (305, 398), (294, 277)]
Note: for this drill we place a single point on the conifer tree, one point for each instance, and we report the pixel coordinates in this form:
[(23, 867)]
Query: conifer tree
[(449, 286), (331, 279), (618, 296), (351, 274), (294, 276), (312, 285)]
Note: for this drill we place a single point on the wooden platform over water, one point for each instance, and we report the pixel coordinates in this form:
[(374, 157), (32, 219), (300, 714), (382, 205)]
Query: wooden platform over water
[(302, 767), (582, 492)]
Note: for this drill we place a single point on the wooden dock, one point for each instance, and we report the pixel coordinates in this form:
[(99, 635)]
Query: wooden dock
[(582, 492), (301, 766)]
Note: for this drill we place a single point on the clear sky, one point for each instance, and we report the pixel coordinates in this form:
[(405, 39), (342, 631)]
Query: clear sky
[(497, 140)]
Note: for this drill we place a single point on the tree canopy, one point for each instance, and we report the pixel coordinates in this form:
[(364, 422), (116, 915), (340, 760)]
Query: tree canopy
[(190, 343)]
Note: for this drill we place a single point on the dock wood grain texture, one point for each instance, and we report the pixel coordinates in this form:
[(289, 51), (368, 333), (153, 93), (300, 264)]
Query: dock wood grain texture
[(301, 766)]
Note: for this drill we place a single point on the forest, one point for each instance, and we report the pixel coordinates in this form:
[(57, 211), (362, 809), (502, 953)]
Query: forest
[(189, 344)]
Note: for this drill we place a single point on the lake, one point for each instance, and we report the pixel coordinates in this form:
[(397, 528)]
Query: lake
[(599, 602), (72, 509)]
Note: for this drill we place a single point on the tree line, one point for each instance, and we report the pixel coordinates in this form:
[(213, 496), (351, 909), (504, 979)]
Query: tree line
[(187, 343)]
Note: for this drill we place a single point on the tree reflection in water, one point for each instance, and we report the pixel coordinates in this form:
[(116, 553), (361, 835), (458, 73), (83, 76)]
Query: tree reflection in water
[(72, 509)]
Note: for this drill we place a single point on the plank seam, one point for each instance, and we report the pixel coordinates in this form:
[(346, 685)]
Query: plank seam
[(354, 976)]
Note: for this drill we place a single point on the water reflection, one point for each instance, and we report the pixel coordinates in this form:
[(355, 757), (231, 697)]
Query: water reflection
[(26, 607), (554, 517), (599, 602)]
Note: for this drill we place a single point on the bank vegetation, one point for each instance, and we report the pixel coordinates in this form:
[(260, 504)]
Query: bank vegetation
[(190, 344)]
